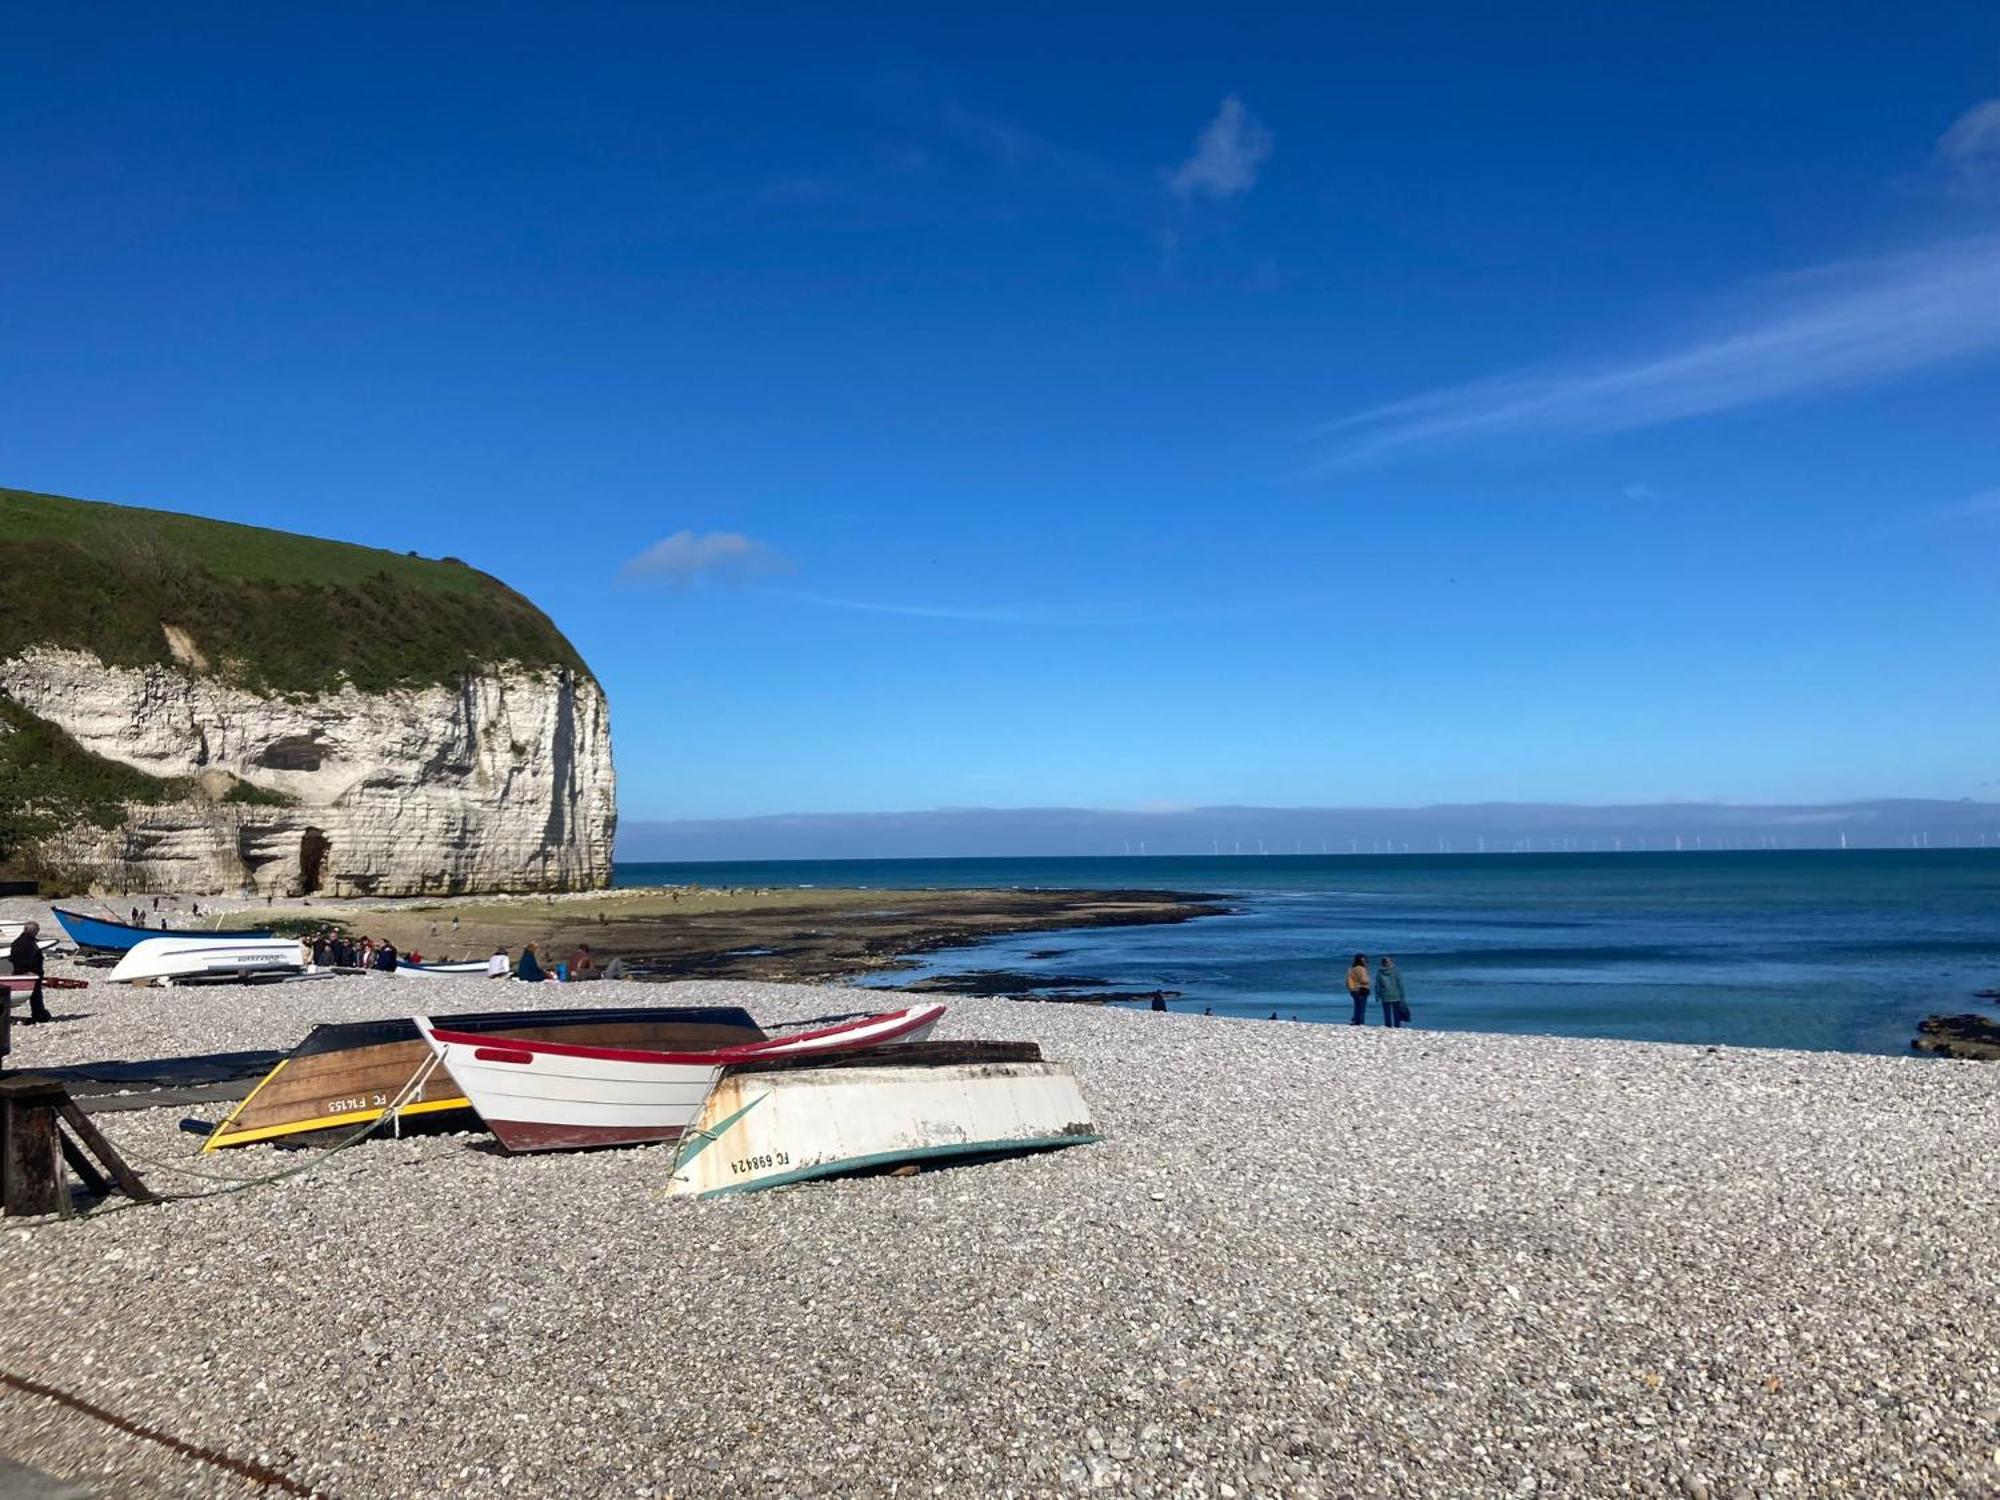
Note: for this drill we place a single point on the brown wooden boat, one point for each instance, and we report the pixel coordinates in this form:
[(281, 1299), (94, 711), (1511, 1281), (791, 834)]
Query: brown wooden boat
[(344, 1075)]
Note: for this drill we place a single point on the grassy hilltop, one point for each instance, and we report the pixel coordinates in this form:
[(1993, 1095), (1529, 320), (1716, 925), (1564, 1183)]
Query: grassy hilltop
[(268, 610)]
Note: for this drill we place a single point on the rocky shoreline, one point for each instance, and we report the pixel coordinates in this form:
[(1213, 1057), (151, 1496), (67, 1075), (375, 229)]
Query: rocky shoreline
[(696, 932), (1975, 1038)]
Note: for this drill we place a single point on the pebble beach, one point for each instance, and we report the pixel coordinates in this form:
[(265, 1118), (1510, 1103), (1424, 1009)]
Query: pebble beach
[(1305, 1261)]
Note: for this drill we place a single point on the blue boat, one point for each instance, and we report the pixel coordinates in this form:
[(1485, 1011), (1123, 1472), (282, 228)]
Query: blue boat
[(102, 935)]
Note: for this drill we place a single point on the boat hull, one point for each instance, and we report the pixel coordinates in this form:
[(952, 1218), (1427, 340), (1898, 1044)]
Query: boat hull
[(561, 1096), (105, 936), (763, 1129), (342, 1076), (206, 957)]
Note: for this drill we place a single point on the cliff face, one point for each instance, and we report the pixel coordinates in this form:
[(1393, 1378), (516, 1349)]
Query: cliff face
[(503, 782), (197, 706)]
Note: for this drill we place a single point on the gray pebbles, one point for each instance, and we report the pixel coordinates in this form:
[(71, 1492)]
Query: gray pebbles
[(1308, 1260)]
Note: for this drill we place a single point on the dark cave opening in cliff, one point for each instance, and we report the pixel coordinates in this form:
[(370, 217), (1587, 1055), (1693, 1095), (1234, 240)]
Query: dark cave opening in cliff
[(313, 849)]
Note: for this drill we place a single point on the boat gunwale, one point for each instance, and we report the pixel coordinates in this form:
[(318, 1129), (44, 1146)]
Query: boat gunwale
[(849, 1166), (910, 1018)]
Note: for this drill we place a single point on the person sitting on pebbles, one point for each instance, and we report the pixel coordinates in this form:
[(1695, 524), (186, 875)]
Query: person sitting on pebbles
[(499, 966), (530, 968)]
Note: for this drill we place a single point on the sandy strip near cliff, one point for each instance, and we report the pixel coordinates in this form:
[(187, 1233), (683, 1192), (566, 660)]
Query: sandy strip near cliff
[(1307, 1260)]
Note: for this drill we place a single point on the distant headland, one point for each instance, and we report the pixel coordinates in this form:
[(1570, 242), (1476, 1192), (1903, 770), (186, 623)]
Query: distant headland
[(1463, 828)]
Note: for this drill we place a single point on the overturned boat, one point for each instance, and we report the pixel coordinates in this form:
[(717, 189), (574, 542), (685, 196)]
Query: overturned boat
[(103, 935), (182, 959), (784, 1120), (344, 1075), (560, 1096), (457, 968)]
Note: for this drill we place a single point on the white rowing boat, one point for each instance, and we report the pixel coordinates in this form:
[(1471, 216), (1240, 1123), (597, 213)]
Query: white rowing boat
[(554, 1096), (461, 968), (767, 1125), (175, 958)]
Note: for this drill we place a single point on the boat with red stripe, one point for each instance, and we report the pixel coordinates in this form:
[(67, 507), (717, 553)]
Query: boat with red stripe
[(561, 1096)]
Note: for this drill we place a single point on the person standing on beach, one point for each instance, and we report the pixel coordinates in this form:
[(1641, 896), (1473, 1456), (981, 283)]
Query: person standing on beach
[(1389, 990), (26, 956), (1357, 989)]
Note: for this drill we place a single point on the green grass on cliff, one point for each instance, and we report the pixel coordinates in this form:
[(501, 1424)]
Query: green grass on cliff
[(50, 784), (267, 609)]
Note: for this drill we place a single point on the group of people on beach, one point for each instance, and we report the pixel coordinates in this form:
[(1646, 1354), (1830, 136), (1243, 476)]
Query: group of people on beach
[(582, 965), (334, 949), (1387, 986)]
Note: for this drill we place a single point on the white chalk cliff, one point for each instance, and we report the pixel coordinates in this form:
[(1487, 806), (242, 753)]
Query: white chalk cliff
[(502, 782)]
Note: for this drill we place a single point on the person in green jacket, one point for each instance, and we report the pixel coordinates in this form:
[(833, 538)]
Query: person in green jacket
[(1389, 988)]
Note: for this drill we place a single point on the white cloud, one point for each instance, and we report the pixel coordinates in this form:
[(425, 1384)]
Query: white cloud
[(1836, 327), (687, 557), (1641, 492), (1226, 156), (1973, 142)]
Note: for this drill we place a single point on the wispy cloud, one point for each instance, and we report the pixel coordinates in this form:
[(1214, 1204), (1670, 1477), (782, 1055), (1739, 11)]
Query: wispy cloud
[(1640, 492), (1226, 156), (1984, 506), (1973, 143), (1836, 327), (1025, 156), (995, 614), (688, 557)]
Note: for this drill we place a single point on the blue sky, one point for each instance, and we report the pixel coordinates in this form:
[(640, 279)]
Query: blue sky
[(910, 407)]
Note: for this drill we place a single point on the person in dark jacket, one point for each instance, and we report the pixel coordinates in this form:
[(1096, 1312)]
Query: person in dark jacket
[(1389, 990), (385, 957), (530, 967), (26, 957)]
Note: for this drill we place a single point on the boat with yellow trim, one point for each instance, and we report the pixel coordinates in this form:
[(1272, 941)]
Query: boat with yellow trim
[(345, 1074)]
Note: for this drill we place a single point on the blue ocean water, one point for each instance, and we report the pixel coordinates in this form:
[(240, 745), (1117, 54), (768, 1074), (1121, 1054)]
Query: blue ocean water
[(1831, 950)]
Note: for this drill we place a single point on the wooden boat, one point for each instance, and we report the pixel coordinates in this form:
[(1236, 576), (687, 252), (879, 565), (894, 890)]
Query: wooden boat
[(559, 1096), (184, 958), (767, 1124), (107, 936), (345, 1074)]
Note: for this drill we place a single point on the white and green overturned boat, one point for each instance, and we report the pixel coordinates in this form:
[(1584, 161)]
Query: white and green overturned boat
[(768, 1124)]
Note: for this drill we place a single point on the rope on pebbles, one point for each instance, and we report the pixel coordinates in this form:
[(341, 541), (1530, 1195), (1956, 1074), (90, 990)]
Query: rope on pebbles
[(247, 1468), (391, 1111)]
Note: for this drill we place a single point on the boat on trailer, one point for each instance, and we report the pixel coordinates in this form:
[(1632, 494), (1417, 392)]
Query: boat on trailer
[(181, 958), (785, 1120), (559, 1096), (103, 935), (345, 1074)]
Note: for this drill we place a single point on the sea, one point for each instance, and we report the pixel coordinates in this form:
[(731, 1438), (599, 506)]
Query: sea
[(1837, 950)]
